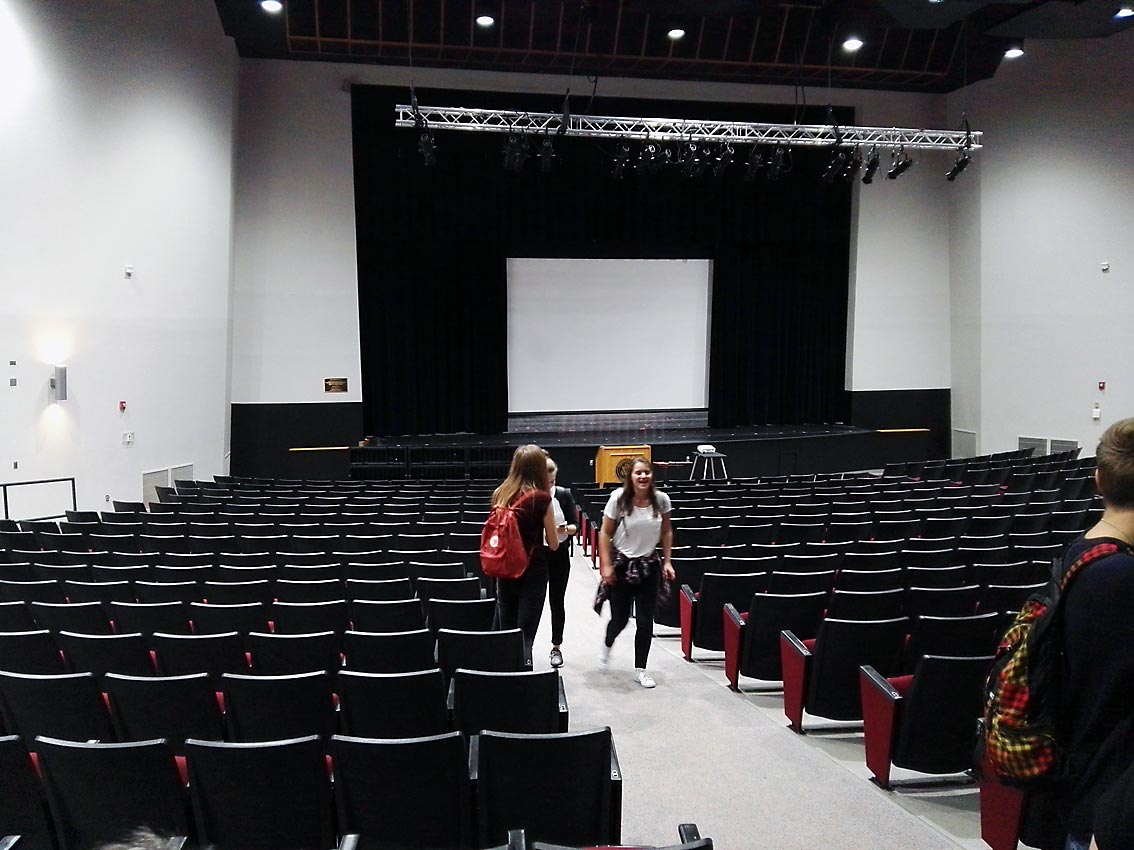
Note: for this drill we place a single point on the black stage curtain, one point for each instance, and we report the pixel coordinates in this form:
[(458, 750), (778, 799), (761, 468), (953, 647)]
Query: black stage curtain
[(433, 245)]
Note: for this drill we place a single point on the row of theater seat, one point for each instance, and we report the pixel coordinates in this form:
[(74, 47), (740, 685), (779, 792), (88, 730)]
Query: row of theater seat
[(247, 708), (444, 791)]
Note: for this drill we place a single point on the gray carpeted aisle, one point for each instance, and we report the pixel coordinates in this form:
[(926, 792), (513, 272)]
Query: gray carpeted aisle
[(693, 751)]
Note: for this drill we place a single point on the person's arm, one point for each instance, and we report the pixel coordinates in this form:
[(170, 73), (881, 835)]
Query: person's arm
[(570, 512), (549, 529), (667, 546), (606, 563)]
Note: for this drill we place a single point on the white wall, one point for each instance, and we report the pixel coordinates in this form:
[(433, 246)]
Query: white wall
[(1056, 200), (296, 301), (115, 148)]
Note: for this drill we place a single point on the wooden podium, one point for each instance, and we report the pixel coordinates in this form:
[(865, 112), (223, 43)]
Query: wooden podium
[(608, 458)]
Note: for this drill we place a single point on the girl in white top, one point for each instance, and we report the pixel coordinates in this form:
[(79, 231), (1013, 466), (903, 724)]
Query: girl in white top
[(636, 519)]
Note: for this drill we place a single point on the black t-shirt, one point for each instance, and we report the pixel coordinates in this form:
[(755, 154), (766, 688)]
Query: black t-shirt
[(1099, 691), (530, 510), (1114, 815)]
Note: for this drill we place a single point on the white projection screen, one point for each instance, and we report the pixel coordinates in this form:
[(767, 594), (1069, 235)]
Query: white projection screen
[(605, 335)]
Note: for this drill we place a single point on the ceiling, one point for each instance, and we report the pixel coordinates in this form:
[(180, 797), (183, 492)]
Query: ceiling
[(909, 45)]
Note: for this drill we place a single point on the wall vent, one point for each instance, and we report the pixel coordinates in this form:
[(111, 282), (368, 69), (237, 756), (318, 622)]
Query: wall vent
[(154, 478), (1058, 446), (964, 443), (1038, 445)]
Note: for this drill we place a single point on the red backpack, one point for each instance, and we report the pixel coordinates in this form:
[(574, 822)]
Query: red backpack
[(502, 550)]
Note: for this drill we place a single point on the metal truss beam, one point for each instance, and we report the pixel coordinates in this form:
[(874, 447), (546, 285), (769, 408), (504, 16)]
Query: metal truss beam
[(680, 130)]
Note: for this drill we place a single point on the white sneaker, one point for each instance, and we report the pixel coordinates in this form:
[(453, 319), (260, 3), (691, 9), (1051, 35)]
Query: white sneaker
[(645, 679), (604, 657)]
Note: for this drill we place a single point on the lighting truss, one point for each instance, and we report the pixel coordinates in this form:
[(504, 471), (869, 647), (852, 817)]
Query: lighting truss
[(684, 130)]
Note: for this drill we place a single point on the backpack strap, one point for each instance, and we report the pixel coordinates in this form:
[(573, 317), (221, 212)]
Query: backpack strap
[(1095, 553)]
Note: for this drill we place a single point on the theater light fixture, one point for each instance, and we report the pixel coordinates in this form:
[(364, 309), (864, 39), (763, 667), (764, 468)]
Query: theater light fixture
[(835, 167), (963, 156), (1014, 51), (675, 34), (58, 383), (546, 155), (753, 165), (724, 159), (1126, 11), (854, 163), (900, 163), (852, 44), (273, 6), (621, 157), (515, 153), (776, 165), (873, 161)]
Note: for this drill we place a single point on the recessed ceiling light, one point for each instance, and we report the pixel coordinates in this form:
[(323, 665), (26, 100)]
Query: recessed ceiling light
[(272, 6), (852, 44), (485, 20), (676, 33), (1013, 53), (935, 2), (1125, 12)]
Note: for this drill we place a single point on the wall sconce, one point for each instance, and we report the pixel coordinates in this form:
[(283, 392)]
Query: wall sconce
[(59, 383)]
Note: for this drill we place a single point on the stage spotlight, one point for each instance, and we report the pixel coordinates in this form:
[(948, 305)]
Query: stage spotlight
[(775, 164), (675, 34), (428, 147), (873, 161), (724, 159), (485, 20), (272, 6), (693, 161), (546, 155), (900, 163), (620, 159), (650, 158), (960, 165), (753, 165), (852, 44), (515, 153), (835, 166), (854, 163)]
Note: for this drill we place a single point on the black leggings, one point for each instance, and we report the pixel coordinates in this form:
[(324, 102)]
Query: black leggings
[(519, 603), (643, 598), (558, 569)]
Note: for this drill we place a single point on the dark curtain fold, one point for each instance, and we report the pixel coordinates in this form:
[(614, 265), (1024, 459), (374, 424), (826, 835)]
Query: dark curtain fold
[(433, 245)]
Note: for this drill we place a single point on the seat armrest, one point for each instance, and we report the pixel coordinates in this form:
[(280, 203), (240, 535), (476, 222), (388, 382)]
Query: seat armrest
[(8, 842), (451, 697), (795, 659), (733, 625), (474, 755), (688, 612), (687, 832), (349, 842), (881, 710), (615, 796), (1001, 811), (564, 711)]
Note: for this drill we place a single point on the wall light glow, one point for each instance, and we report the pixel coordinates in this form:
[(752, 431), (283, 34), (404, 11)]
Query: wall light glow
[(54, 345), (18, 66)]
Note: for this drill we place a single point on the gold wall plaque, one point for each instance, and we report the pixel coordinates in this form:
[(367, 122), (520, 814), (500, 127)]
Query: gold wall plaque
[(334, 385)]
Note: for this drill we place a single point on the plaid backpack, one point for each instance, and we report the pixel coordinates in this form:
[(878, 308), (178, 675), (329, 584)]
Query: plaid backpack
[(1019, 738), (502, 550)]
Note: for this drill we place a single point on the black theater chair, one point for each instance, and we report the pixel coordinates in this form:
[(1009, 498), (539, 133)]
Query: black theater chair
[(495, 652), (283, 654), (701, 611), (411, 793), (178, 655), (378, 590), (972, 635), (467, 615), (865, 604), (261, 796), (392, 705), (88, 618), (529, 702), (150, 617), (299, 618), (400, 615), (389, 652), (67, 706), (271, 708), (15, 617), (127, 653), (214, 618), (752, 637), (87, 787), (924, 722), (821, 675), (30, 652), (564, 788), (23, 806), (171, 707)]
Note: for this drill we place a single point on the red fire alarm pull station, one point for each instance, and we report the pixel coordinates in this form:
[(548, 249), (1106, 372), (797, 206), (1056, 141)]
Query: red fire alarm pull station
[(121, 407), (1102, 385)]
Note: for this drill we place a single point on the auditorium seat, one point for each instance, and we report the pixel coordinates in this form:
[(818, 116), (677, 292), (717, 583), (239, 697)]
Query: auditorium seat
[(272, 708), (261, 796), (67, 705), (282, 654), (126, 653), (31, 591), (99, 792), (865, 604), (85, 617), (392, 705), (309, 617), (559, 788), (15, 617), (924, 722), (178, 655), (32, 651), (966, 636), (150, 617), (942, 601), (468, 615), (411, 793), (498, 651), (389, 652), (23, 805), (529, 702), (169, 707), (752, 638), (214, 618), (821, 676), (701, 611)]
